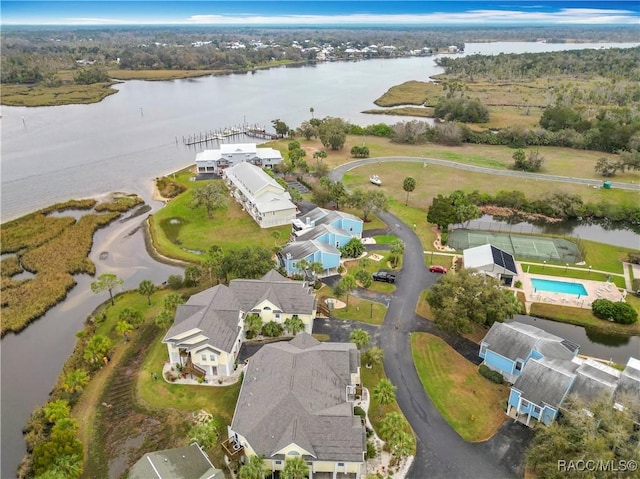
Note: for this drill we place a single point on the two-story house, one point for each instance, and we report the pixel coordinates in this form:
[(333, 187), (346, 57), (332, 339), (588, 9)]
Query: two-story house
[(208, 330), (318, 237), (297, 401), (268, 203), (228, 155)]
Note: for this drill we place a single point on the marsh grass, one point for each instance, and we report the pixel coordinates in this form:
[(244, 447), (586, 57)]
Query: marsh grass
[(39, 95), (53, 249)]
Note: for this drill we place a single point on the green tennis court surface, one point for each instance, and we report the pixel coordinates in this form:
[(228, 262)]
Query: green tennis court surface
[(539, 248)]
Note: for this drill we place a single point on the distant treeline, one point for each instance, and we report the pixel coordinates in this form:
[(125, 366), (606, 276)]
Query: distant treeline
[(617, 63), (36, 54)]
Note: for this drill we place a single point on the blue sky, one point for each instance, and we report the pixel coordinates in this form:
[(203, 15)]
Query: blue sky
[(292, 13)]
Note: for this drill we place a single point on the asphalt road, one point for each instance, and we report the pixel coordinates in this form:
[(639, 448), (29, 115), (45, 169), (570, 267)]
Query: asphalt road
[(337, 173), (441, 453)]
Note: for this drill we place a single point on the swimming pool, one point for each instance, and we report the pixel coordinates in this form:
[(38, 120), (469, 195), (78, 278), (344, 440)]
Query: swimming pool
[(558, 287)]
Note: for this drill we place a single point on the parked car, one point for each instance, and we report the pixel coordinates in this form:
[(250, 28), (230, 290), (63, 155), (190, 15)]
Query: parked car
[(384, 276), (434, 268)]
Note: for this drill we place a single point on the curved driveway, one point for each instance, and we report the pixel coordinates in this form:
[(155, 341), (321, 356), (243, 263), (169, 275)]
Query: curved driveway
[(441, 452), (337, 173)]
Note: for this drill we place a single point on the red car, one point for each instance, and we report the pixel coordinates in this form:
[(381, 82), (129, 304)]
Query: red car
[(437, 269)]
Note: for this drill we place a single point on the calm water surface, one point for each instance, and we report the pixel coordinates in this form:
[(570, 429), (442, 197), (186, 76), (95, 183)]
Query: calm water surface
[(52, 154)]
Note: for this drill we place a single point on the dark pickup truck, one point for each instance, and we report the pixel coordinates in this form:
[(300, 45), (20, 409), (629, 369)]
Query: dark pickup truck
[(384, 276)]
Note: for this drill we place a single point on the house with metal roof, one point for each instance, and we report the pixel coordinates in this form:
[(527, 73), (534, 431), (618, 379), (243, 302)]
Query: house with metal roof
[(350, 224), (312, 251), (318, 237), (268, 203), (228, 155), (507, 347), (492, 261), (296, 400), (208, 330), (189, 462)]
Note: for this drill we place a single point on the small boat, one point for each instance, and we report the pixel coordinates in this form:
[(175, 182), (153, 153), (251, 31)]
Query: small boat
[(375, 179)]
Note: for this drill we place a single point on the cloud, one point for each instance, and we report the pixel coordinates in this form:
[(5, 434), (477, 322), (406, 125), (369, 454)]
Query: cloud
[(563, 16)]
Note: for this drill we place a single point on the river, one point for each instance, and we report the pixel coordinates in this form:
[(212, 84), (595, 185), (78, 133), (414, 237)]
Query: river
[(51, 154)]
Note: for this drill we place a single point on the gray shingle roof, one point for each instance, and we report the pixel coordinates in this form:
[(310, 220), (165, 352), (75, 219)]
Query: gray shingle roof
[(595, 380), (291, 297), (545, 381), (305, 382), (629, 383), (215, 312), (188, 462), (516, 340)]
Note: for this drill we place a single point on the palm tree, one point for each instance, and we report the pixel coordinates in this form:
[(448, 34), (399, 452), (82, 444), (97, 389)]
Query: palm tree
[(164, 319), (123, 328), (275, 234), (359, 337), (372, 356), (295, 468), (408, 185), (316, 268), (56, 410), (147, 288), (294, 324), (397, 249), (75, 381), (402, 444), (96, 348), (253, 468), (364, 263), (303, 265), (391, 424), (311, 110), (348, 284), (172, 301), (384, 392)]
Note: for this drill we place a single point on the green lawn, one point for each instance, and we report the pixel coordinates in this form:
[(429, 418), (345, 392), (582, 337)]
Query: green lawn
[(362, 310), (585, 318), (471, 404), (385, 239), (370, 378), (178, 230)]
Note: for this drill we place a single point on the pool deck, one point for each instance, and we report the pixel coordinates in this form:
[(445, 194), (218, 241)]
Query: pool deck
[(595, 290)]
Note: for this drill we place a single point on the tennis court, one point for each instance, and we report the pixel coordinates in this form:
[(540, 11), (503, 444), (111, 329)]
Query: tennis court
[(539, 248)]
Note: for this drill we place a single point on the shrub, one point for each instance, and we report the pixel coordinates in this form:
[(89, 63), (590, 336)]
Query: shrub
[(272, 329), (518, 284), (371, 450), (175, 281), (603, 309), (490, 374), (358, 411)]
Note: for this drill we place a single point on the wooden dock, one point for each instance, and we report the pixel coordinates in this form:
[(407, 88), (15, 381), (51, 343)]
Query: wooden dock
[(231, 132)]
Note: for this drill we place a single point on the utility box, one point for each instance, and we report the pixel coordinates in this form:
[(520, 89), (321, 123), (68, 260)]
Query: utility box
[(606, 185)]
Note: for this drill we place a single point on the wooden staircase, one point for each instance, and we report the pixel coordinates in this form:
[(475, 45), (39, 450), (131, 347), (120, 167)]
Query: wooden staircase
[(192, 369)]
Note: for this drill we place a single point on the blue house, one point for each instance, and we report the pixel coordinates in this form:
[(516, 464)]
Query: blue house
[(318, 238), (328, 234), (507, 347), (312, 251), (545, 369), (347, 222)]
